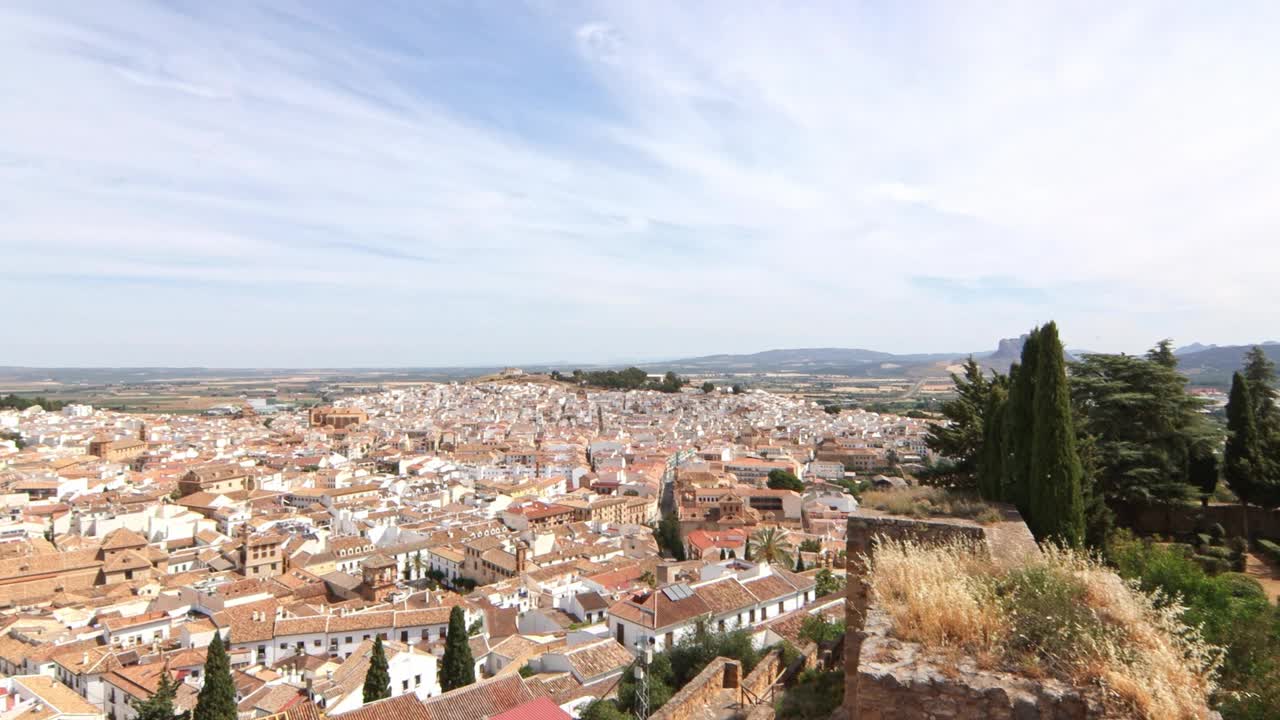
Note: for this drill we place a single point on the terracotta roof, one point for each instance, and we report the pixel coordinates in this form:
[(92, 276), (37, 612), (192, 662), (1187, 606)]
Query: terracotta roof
[(121, 539), (537, 709), (655, 610), (479, 701), (593, 660)]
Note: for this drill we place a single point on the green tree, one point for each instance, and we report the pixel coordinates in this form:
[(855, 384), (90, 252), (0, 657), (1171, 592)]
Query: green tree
[(1242, 459), (1057, 503), (769, 545), (1143, 423), (960, 436), (1019, 425), (708, 387), (160, 705), (669, 539), (1202, 470), (217, 699), (785, 480), (1260, 371), (818, 629), (827, 583), (1162, 354), (991, 462), (377, 679), (457, 667), (811, 545), (738, 388), (604, 710)]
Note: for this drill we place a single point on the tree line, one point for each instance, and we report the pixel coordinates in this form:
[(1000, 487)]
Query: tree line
[(633, 378), (1062, 441), (16, 402)]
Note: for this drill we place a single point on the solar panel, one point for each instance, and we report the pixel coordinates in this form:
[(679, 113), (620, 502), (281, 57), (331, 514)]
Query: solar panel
[(677, 592)]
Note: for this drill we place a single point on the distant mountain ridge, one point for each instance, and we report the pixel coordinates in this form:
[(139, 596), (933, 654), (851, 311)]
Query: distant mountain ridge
[(1214, 364)]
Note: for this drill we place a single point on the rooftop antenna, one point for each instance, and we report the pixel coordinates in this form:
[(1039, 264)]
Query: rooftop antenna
[(642, 677)]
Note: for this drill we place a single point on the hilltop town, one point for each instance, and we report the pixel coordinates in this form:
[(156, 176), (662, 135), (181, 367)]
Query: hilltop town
[(304, 536)]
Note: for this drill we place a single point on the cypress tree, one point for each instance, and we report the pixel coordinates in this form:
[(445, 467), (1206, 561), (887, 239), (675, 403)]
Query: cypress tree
[(377, 679), (1055, 474), (160, 705), (217, 699), (457, 668), (1241, 459), (991, 463), (1019, 425)]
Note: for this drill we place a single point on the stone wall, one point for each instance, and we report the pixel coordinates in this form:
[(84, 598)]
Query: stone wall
[(703, 690), (1179, 520), (903, 680), (903, 688)]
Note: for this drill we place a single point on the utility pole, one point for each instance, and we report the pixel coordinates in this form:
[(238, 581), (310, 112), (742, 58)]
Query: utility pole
[(642, 677)]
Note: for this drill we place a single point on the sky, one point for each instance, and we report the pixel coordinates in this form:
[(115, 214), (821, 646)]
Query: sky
[(335, 184)]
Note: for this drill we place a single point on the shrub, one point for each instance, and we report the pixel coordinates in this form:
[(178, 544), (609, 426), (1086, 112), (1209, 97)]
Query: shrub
[(1216, 551), (1270, 549), (1229, 614), (818, 629), (1212, 565), (1242, 586), (1064, 614), (815, 696), (923, 502)]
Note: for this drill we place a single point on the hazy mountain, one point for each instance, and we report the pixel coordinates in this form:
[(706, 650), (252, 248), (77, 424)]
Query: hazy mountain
[(1214, 364), (1194, 347), (841, 361)]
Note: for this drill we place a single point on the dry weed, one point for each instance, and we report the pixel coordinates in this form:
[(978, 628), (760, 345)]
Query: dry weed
[(1065, 615)]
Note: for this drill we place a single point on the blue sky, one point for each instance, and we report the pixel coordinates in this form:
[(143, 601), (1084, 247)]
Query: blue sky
[(337, 184)]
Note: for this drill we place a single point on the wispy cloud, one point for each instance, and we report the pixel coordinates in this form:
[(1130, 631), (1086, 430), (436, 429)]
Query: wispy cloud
[(450, 184)]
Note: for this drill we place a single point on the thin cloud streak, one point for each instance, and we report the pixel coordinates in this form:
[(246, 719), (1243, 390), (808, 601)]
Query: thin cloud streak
[(663, 179)]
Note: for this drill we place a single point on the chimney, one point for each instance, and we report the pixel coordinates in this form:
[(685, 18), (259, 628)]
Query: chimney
[(522, 550)]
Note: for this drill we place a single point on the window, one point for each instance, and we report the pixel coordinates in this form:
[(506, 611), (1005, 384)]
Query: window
[(752, 616), (404, 636), (780, 610), (417, 680), (720, 626), (315, 643), (404, 686), (348, 640), (366, 637)]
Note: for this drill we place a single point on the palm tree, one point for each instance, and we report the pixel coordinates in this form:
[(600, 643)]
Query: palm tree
[(418, 564), (769, 545)]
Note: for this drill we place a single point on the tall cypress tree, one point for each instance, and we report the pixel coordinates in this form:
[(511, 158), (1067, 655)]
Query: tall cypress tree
[(217, 699), (991, 462), (1260, 372), (1055, 474), (1241, 460), (457, 668), (1020, 418), (377, 679), (160, 705)]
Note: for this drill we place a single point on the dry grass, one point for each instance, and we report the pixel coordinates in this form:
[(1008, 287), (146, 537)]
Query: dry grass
[(924, 502), (1065, 616)]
